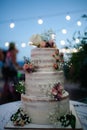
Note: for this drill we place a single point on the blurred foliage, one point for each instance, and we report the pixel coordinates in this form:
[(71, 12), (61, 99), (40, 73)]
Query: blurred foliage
[(76, 68)]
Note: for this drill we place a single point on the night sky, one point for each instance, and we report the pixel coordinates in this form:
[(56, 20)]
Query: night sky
[(25, 13)]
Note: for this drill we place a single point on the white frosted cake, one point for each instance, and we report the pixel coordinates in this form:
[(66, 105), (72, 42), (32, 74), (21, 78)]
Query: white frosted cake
[(45, 99)]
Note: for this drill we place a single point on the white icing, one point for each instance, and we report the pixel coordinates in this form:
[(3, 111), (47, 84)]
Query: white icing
[(43, 58), (37, 100), (40, 83)]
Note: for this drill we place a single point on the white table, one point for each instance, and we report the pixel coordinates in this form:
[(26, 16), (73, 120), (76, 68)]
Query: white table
[(6, 110)]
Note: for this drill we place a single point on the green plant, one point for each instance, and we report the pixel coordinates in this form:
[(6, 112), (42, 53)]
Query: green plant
[(76, 67)]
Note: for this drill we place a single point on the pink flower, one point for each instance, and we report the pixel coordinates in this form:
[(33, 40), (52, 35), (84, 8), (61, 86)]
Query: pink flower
[(61, 54), (59, 95), (55, 66), (31, 66), (57, 91), (57, 52), (53, 55), (26, 66), (54, 91), (43, 44), (57, 58), (51, 43)]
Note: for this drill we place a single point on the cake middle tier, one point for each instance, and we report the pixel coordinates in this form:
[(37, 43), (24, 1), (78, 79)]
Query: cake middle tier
[(40, 84)]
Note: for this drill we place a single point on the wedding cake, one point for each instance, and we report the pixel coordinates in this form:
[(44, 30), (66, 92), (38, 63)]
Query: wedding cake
[(45, 99)]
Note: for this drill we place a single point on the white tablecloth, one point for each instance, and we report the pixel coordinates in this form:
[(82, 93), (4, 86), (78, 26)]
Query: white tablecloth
[(6, 110)]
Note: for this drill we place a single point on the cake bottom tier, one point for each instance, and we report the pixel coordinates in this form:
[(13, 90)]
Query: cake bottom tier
[(45, 111)]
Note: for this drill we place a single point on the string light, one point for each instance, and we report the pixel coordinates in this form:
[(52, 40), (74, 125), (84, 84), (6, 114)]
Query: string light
[(12, 25), (75, 50), (68, 17), (79, 23), (77, 40), (63, 50), (44, 16), (23, 45), (40, 21), (80, 47), (6, 44), (62, 42), (53, 36), (68, 50), (64, 31)]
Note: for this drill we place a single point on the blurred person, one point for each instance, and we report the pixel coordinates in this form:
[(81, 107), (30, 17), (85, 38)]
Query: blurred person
[(10, 70), (3, 69), (2, 58), (2, 55), (12, 55)]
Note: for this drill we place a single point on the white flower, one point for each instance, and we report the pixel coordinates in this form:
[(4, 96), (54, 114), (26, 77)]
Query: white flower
[(35, 39)]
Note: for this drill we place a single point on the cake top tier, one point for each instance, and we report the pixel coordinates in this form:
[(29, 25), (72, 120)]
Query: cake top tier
[(45, 57)]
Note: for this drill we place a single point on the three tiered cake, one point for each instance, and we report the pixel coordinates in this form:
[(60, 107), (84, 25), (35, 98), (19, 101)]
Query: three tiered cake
[(45, 99)]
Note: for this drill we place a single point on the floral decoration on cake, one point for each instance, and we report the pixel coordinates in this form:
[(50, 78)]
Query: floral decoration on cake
[(20, 118), (29, 66), (44, 40), (66, 120), (59, 60), (57, 91)]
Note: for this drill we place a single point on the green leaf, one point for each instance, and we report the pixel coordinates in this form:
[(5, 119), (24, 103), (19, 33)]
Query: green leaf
[(20, 87), (73, 121)]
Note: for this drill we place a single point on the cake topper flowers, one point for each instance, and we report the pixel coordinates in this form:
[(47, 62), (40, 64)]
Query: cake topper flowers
[(35, 40), (43, 40)]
